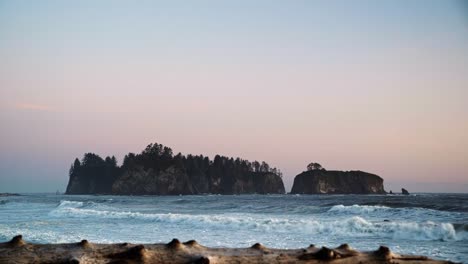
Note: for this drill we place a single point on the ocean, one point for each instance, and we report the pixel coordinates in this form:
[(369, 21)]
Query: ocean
[(435, 225)]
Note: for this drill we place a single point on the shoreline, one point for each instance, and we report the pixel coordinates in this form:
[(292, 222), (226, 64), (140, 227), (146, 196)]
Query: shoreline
[(18, 250)]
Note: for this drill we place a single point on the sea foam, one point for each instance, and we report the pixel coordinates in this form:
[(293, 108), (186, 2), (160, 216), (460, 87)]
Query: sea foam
[(358, 208), (350, 226)]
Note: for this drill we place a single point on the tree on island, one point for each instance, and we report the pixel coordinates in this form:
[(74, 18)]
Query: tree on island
[(97, 174), (74, 167), (314, 166)]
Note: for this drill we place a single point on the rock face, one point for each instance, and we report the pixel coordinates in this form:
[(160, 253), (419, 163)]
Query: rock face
[(174, 181), (157, 172), (404, 191), (138, 181), (337, 182)]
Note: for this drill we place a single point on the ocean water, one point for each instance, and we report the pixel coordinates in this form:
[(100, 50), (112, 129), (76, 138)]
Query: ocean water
[(435, 225)]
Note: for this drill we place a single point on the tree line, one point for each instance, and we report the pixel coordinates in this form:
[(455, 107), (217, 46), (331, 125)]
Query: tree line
[(157, 157)]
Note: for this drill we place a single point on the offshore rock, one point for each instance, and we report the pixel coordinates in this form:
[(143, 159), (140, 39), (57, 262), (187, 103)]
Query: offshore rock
[(175, 181), (156, 171), (337, 182)]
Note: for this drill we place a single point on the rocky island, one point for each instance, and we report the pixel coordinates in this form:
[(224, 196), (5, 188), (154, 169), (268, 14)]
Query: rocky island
[(317, 180), (156, 171)]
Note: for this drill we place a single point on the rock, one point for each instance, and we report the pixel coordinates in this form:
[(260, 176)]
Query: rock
[(383, 252), (327, 254), (337, 182), (344, 246), (72, 260), (191, 243), (84, 243), (390, 192), (17, 241), (404, 191), (9, 194), (175, 181), (136, 253), (174, 244), (258, 246), (201, 260), (157, 172), (172, 181)]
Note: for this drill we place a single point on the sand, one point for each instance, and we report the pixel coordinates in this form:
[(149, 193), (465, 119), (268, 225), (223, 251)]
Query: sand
[(19, 251)]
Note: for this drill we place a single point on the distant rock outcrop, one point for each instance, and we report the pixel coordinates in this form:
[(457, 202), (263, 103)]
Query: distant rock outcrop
[(337, 182), (404, 191), (8, 194), (156, 171)]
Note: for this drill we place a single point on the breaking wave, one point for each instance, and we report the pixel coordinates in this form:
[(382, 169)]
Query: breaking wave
[(358, 208), (69, 204), (390, 212), (350, 226)]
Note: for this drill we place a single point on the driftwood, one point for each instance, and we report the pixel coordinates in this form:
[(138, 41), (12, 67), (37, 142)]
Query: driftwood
[(19, 251)]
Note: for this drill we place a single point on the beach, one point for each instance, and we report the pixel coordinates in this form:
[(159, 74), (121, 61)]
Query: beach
[(18, 251)]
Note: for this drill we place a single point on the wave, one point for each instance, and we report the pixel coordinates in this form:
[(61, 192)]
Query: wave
[(69, 204), (358, 208), (451, 203), (38, 235), (391, 212), (348, 227)]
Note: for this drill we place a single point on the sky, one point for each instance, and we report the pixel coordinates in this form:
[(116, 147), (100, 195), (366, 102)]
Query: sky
[(378, 86)]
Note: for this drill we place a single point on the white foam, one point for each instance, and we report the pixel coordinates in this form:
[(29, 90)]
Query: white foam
[(351, 226), (70, 204), (358, 208), (421, 231)]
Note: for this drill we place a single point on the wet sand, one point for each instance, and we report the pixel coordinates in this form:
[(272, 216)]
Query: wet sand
[(19, 251)]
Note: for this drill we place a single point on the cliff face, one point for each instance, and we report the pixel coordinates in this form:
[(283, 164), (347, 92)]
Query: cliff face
[(337, 182), (174, 181), (138, 181), (77, 186), (156, 171)]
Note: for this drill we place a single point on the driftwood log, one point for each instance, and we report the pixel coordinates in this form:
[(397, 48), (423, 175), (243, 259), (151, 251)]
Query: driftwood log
[(19, 251)]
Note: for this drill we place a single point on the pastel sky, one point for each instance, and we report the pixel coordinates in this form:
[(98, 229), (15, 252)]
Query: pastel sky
[(380, 86)]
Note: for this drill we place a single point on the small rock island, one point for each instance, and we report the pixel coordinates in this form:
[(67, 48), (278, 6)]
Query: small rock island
[(156, 171), (317, 180)]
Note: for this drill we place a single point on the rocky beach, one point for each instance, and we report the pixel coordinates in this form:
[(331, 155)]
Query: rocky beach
[(18, 251)]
